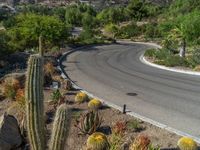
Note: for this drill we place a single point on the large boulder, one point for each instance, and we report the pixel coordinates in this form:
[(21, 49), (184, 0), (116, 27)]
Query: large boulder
[(10, 137)]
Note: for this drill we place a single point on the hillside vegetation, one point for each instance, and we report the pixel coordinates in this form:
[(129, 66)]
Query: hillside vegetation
[(175, 27)]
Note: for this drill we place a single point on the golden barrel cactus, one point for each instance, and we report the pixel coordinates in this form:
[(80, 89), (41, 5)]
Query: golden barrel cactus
[(81, 97), (186, 143), (94, 104), (97, 141)]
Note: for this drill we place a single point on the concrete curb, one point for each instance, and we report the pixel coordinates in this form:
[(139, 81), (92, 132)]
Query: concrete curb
[(136, 115), (143, 60)]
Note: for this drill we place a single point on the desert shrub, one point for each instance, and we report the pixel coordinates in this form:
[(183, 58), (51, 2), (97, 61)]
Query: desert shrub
[(172, 61), (10, 88), (81, 97), (67, 85), (150, 53), (152, 147), (162, 54), (186, 143), (49, 68), (196, 57), (115, 140), (57, 78), (18, 108), (134, 125), (119, 127), (97, 141), (152, 31), (159, 54), (141, 142), (111, 29), (197, 68), (94, 104)]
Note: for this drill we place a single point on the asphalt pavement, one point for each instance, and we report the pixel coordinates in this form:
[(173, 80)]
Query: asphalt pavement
[(115, 73)]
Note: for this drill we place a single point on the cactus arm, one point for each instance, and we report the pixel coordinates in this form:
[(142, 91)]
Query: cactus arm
[(40, 46)]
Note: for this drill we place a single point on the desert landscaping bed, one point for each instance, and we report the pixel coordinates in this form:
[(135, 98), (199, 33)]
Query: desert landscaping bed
[(159, 137), (121, 130)]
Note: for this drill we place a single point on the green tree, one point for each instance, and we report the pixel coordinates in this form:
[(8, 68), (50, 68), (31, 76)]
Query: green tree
[(4, 48), (136, 9), (29, 27), (186, 32), (73, 16), (88, 21)]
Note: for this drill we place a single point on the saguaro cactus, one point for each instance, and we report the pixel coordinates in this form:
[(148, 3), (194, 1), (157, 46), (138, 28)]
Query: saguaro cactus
[(35, 106), (41, 52), (60, 128)]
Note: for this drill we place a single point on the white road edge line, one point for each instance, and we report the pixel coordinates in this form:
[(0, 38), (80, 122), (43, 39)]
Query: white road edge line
[(136, 115)]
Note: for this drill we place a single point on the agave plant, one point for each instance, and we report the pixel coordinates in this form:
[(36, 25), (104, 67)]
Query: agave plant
[(89, 122)]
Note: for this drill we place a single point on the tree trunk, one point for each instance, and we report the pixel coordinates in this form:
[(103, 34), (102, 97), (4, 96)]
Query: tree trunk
[(182, 49)]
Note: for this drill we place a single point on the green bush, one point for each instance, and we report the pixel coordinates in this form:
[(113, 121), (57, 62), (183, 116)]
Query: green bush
[(150, 53), (158, 54), (152, 31), (56, 95), (196, 57), (172, 61), (128, 31)]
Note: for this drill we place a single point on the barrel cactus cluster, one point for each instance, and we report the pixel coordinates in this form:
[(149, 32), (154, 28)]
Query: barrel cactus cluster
[(35, 110), (97, 141), (186, 143), (81, 97), (94, 104)]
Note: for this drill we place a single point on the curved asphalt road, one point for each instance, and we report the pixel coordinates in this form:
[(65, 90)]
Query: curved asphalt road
[(112, 71)]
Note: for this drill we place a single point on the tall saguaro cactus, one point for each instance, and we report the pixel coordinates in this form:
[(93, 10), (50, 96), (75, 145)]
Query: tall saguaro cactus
[(60, 128), (35, 104)]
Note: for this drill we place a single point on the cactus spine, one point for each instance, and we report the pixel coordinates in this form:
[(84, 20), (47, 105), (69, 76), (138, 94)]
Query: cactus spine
[(60, 128), (34, 102)]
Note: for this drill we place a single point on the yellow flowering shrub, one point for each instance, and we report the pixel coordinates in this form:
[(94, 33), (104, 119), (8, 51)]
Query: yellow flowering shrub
[(186, 143)]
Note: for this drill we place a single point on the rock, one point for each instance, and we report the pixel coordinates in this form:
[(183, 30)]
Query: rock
[(10, 136)]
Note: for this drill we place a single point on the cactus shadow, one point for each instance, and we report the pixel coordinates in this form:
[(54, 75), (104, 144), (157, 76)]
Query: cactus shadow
[(104, 107), (70, 93), (50, 116), (77, 109), (105, 129)]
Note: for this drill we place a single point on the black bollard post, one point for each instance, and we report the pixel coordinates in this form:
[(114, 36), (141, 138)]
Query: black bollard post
[(124, 109)]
